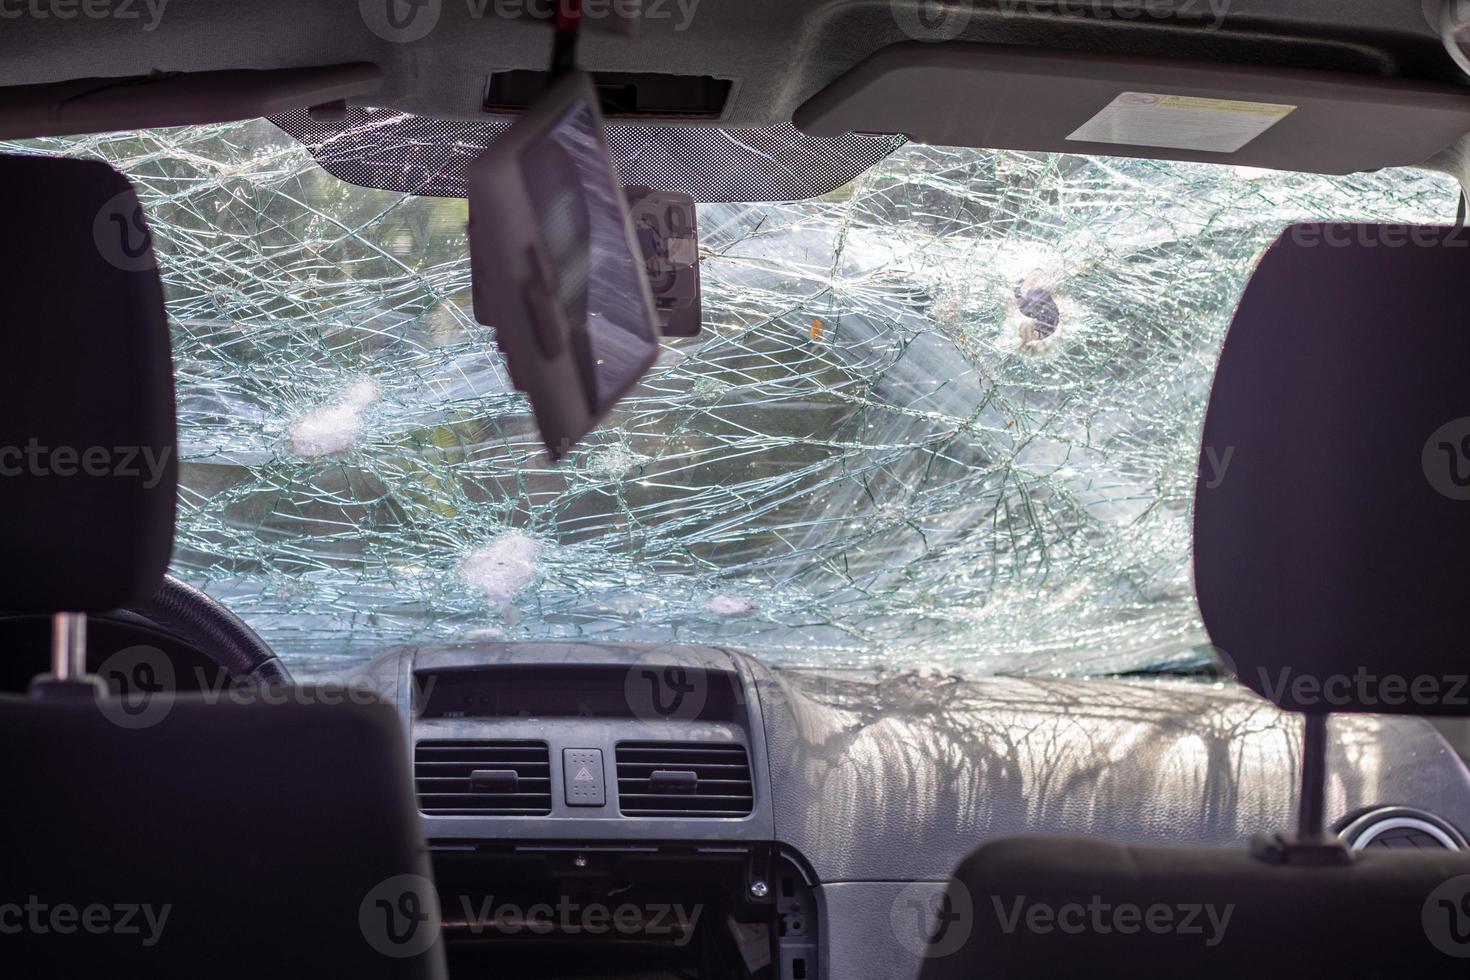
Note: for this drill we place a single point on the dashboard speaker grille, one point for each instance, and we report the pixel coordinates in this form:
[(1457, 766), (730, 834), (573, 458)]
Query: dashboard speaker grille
[(683, 779), (483, 778)]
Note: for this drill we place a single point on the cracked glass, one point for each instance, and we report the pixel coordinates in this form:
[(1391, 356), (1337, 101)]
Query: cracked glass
[(947, 414)]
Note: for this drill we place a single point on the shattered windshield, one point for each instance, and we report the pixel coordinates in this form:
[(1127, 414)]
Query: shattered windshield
[(946, 414)]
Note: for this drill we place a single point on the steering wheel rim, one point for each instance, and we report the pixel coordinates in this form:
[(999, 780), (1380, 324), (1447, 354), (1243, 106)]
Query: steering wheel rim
[(208, 626)]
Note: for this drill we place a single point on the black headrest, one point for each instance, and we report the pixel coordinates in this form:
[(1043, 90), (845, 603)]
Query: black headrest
[(1332, 515), (88, 462)]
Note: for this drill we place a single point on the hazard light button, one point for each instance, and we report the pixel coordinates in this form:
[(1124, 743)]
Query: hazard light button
[(582, 773)]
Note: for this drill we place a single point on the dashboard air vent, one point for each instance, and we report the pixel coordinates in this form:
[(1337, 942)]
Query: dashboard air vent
[(1402, 827), (683, 779), (483, 778)]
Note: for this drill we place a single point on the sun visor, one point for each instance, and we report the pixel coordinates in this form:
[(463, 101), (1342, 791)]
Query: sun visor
[(110, 105), (1069, 102)]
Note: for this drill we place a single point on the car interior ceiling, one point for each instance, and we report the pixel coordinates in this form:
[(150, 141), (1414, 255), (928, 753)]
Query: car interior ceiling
[(183, 796)]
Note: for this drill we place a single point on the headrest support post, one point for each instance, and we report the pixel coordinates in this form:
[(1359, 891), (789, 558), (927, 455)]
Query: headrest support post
[(1310, 845), (1310, 817), (68, 679), (68, 645)]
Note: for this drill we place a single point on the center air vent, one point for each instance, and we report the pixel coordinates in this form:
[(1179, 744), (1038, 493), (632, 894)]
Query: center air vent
[(683, 779), (486, 778)]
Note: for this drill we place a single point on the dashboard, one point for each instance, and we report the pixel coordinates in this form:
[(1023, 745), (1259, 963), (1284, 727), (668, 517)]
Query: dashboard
[(811, 812)]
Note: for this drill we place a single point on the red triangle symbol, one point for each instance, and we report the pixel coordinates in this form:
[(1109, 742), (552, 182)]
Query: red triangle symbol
[(584, 775)]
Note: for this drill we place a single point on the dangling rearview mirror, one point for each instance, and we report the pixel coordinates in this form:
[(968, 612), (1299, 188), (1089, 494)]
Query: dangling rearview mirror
[(556, 269)]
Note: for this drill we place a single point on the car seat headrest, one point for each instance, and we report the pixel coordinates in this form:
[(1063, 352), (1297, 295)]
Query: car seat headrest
[(1332, 515), (88, 456)]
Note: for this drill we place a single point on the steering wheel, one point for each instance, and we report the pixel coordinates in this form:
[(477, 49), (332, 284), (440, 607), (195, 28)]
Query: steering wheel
[(206, 625)]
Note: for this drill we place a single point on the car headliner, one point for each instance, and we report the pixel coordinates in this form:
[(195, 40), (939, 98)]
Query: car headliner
[(778, 52), (778, 55)]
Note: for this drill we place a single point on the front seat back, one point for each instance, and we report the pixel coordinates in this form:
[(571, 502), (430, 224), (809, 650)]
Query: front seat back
[(255, 833), (1330, 569)]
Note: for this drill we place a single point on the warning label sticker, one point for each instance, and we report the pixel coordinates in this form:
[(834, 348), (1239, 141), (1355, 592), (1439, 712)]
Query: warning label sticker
[(1180, 122)]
